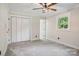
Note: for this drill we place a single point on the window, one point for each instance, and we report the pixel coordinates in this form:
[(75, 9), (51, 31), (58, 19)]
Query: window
[(63, 22)]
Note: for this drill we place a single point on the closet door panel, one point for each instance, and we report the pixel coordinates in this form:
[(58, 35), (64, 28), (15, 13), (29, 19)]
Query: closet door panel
[(19, 29), (14, 29), (25, 29)]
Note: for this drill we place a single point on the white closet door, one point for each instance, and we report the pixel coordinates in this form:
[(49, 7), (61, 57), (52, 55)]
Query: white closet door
[(14, 29), (19, 29), (25, 29)]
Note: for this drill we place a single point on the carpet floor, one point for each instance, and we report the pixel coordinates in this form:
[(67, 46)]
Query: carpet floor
[(40, 48)]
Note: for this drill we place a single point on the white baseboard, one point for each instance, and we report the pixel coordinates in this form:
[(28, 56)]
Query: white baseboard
[(73, 46)]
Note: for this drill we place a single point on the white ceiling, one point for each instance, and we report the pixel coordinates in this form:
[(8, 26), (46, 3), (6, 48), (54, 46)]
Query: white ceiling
[(26, 9)]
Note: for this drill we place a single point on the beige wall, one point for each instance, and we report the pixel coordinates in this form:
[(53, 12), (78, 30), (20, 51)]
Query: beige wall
[(35, 28), (3, 28), (68, 36)]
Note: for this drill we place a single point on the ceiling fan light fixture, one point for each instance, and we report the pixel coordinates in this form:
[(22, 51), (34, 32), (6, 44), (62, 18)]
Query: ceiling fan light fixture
[(46, 7)]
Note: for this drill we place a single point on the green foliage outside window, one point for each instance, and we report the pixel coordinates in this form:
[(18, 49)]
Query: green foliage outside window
[(63, 22)]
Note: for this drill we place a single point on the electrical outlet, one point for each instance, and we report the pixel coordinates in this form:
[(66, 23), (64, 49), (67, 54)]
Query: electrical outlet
[(36, 36), (58, 38)]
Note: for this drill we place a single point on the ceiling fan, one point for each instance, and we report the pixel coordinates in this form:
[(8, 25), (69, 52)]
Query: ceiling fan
[(46, 7)]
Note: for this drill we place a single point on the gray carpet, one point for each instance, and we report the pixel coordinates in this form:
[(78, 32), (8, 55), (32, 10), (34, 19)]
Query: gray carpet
[(40, 48)]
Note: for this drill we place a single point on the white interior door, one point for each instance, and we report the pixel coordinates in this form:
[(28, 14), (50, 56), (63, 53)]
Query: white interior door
[(20, 29), (25, 29), (43, 29), (14, 29)]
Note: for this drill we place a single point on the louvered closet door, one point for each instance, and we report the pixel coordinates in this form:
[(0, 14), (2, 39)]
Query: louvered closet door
[(25, 29), (14, 29), (20, 29)]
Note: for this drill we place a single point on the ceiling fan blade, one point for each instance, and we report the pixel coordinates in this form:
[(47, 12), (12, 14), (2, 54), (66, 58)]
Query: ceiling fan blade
[(53, 9), (41, 4), (51, 4), (36, 8)]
